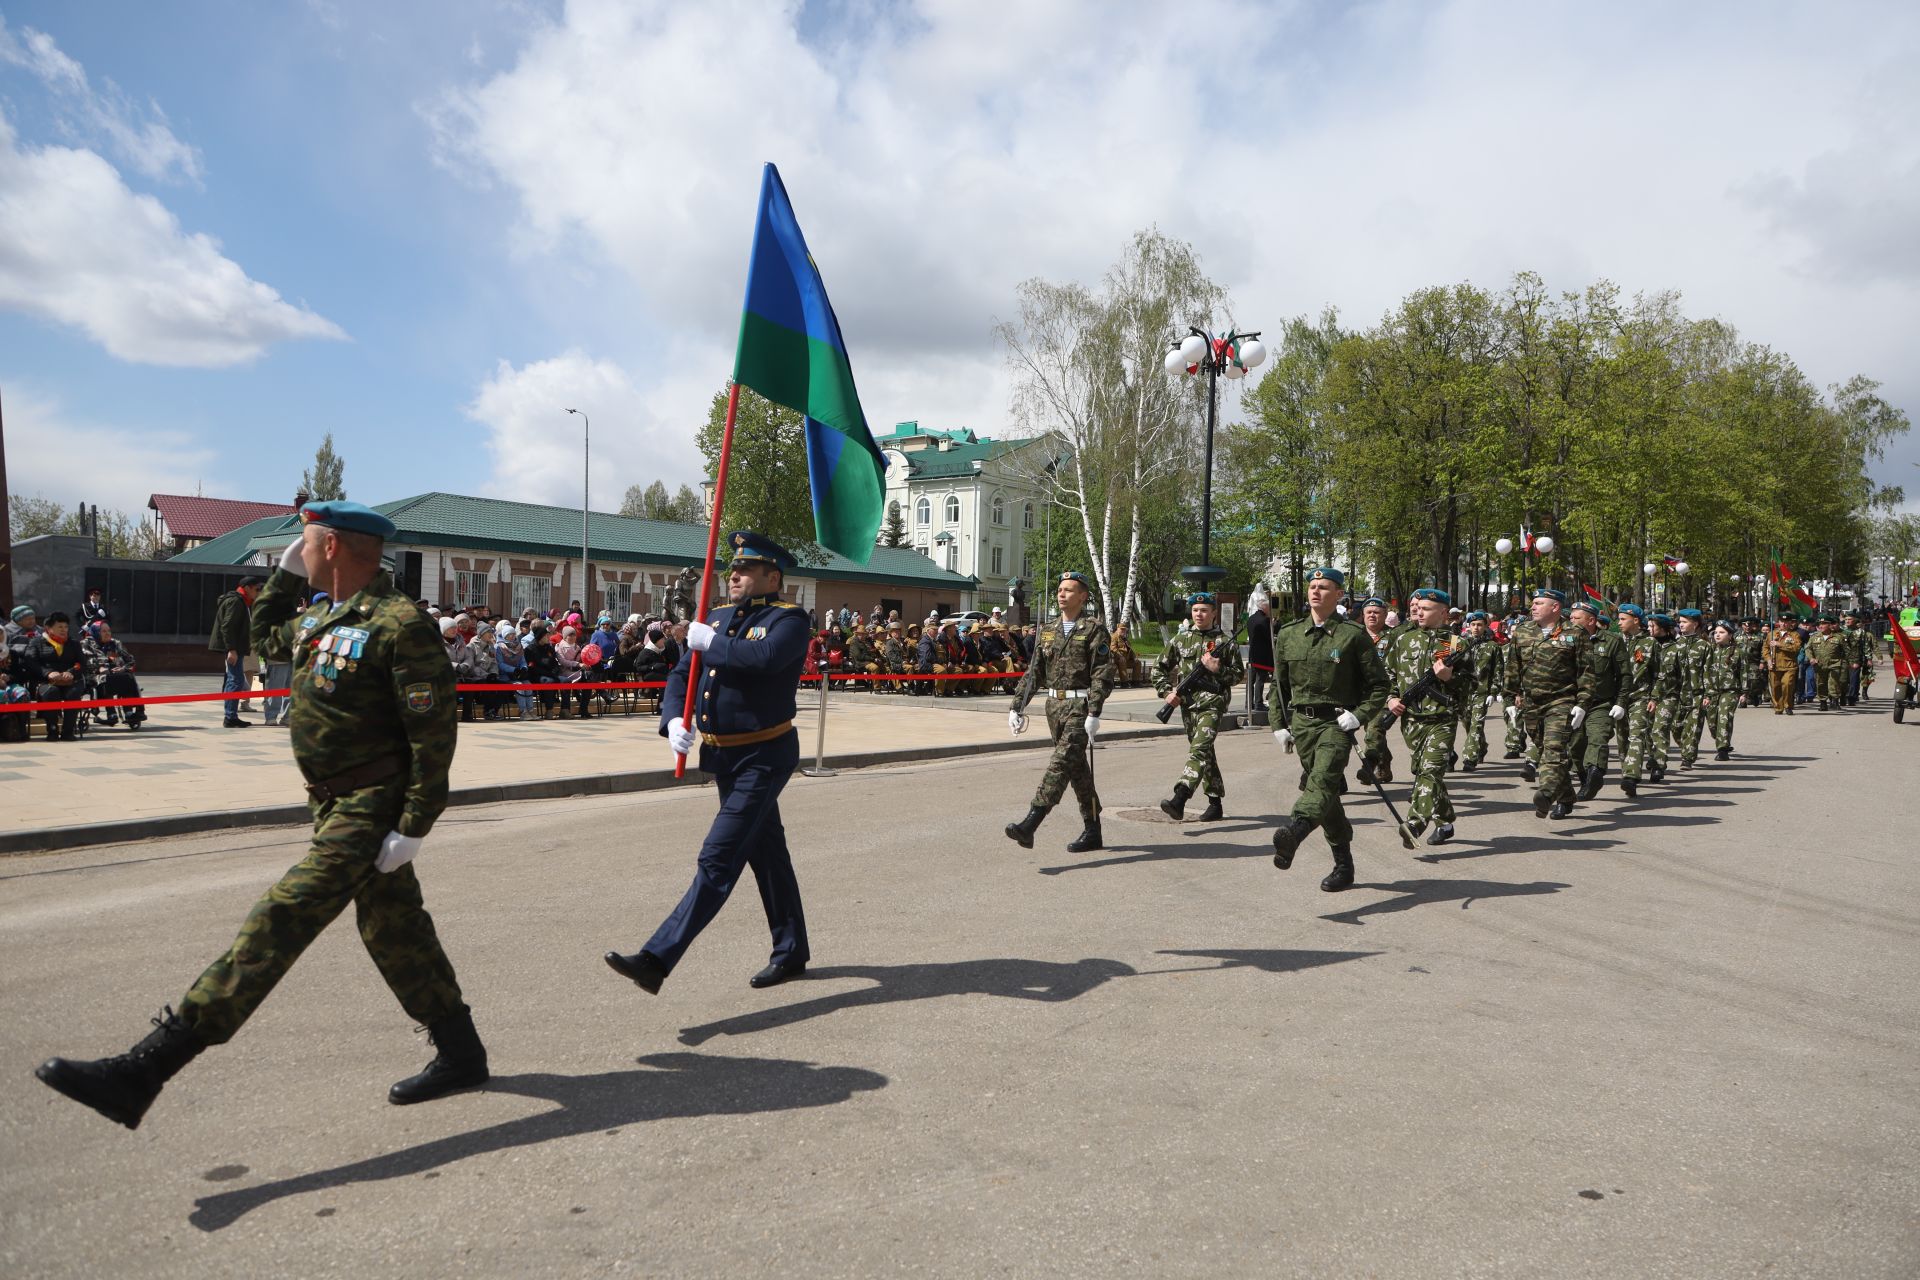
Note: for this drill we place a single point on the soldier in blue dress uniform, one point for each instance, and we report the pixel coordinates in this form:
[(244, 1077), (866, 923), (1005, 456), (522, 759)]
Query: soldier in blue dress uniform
[(751, 655)]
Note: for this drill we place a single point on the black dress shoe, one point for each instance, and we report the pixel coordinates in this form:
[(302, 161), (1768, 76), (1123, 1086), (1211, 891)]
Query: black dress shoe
[(646, 971), (775, 974), (236, 724)]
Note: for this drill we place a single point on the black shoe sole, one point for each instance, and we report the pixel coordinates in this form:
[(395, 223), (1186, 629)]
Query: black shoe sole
[(50, 1074), (461, 1086)]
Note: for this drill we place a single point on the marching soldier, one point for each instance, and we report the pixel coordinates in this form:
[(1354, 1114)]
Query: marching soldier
[(1376, 760), (373, 733), (1073, 665), (1202, 647), (1517, 746), (1667, 680), (1724, 680), (1782, 659), (1481, 671), (1417, 649), (1830, 654), (1327, 682), (1690, 716), (1550, 678), (1753, 645), (1609, 658), (1865, 656), (1643, 669)]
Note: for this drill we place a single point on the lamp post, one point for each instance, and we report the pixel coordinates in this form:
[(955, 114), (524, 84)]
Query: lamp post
[(1230, 356), (586, 489)]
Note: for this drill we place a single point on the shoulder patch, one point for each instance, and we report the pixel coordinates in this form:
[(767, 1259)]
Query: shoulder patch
[(419, 697)]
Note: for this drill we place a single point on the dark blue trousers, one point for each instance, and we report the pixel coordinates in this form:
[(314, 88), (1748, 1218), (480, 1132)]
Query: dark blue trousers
[(746, 833)]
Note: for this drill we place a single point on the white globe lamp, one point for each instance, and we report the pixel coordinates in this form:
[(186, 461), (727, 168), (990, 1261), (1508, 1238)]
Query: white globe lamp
[(1177, 362), (1543, 544), (1193, 349), (1503, 546), (1253, 354)]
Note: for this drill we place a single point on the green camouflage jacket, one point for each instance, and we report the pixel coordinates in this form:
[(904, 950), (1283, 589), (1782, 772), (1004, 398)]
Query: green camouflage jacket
[(1336, 664), (1410, 656), (1690, 655), (371, 681), (1082, 660), (1667, 673), (1182, 655), (1546, 665), (1725, 670), (1829, 651), (1643, 669)]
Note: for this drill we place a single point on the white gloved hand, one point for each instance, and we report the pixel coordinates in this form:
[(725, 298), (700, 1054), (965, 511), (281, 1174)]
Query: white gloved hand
[(1348, 722), (1616, 712), (699, 636), (397, 851), (294, 558), (1284, 738), (1093, 727), (1513, 715), (681, 738), (1490, 701), (1016, 722), (1579, 716)]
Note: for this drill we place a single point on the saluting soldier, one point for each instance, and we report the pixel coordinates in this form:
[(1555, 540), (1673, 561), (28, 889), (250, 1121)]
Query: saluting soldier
[(373, 734), (1782, 658), (1073, 665), (1724, 681), (1417, 649), (1667, 696), (1636, 692), (1609, 658), (1376, 757), (1327, 681), (752, 652), (1550, 678), (1202, 646), (1690, 649)]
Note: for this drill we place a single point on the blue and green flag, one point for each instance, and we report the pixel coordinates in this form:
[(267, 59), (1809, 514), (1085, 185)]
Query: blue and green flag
[(792, 353)]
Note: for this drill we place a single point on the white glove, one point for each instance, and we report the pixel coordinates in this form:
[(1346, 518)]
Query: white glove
[(1348, 722), (1513, 715), (1284, 738), (1490, 701), (294, 558), (397, 851), (1579, 715), (699, 636), (1093, 727), (1616, 712), (1016, 722), (681, 738)]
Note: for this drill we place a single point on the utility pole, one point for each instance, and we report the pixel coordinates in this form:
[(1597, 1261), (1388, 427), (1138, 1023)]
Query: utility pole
[(6, 528)]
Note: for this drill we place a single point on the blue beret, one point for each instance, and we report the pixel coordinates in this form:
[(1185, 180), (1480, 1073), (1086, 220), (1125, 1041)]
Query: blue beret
[(1373, 602), (1549, 593), (1635, 610), (749, 547), (1478, 615), (1200, 597), (1687, 613), (1430, 593), (1074, 575), (1662, 620), (347, 517), (1334, 576), (1589, 605)]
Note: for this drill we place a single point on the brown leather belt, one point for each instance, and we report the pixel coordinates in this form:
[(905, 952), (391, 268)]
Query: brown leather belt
[(746, 739), (357, 779)]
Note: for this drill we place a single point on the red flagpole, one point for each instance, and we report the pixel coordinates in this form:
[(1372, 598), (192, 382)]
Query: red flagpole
[(713, 545)]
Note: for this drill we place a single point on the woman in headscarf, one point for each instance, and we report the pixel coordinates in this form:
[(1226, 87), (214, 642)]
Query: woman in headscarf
[(567, 654), (510, 659)]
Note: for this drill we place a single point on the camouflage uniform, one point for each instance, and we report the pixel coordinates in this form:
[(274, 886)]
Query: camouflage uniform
[(1549, 672), (1517, 745), (1316, 672), (1667, 698), (1689, 653), (1724, 678), (1590, 741), (1376, 748), (1427, 727), (1752, 646), (1201, 710), (1829, 652), (1643, 672), (1482, 671), (1080, 663), (372, 698)]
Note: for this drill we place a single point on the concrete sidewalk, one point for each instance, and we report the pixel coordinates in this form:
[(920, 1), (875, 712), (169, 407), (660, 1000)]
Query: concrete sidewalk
[(184, 773)]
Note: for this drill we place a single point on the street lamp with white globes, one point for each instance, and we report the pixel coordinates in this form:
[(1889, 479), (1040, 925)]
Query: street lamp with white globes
[(1230, 356)]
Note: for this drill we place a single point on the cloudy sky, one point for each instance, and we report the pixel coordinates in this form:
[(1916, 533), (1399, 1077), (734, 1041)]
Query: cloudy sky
[(228, 228)]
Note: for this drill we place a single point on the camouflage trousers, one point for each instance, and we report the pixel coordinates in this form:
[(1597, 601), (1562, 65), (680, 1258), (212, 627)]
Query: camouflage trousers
[(1830, 683), (1666, 713), (338, 869), (1689, 722), (1517, 734), (1202, 773), (1550, 725), (1637, 741), (1323, 748), (1720, 711), (1473, 726), (1429, 743), (1067, 725)]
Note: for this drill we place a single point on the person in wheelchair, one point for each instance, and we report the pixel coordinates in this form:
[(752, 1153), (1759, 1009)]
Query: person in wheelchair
[(110, 668)]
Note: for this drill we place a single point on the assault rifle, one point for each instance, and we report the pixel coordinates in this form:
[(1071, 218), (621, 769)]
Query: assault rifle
[(1194, 682), (1429, 684)]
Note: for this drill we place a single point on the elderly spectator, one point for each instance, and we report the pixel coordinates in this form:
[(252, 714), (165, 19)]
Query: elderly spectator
[(510, 659), (486, 668), (13, 688), (59, 674), (22, 625), (111, 667), (566, 653), (231, 637)]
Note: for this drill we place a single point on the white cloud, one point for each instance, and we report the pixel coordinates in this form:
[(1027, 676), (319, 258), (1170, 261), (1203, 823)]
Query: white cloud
[(53, 454), (140, 137), (535, 443), (79, 248)]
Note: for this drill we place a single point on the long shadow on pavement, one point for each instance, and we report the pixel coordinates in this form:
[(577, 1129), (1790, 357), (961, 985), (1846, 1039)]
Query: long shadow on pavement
[(1544, 843), (1265, 961), (679, 1085), (1045, 980), (1165, 853), (1417, 893)]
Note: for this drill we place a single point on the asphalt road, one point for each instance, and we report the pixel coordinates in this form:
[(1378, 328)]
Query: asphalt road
[(1675, 1037)]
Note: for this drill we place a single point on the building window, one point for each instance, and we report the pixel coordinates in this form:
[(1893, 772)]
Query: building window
[(999, 564), (1026, 516), (531, 591), (953, 509), (469, 589), (999, 509), (923, 512), (619, 600), (953, 554)]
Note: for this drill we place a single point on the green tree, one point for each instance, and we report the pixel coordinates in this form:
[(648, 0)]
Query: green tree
[(31, 517), (767, 487), (893, 533), (325, 480), (687, 506)]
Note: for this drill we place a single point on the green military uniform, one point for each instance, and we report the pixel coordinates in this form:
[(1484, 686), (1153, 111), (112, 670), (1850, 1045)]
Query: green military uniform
[(1590, 745), (1517, 746), (1072, 666), (373, 715), (1318, 673), (1690, 715), (1200, 710), (1376, 756), (1549, 675), (1724, 679), (1753, 647), (1637, 693), (1831, 653), (1667, 696), (860, 658), (893, 656), (1482, 670), (1427, 726), (1863, 655)]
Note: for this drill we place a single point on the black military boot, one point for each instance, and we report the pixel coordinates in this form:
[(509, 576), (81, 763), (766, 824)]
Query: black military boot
[(1089, 839), (1176, 808), (1724, 753), (1469, 766), (1384, 772), (1365, 771), (1286, 840), (460, 1064), (122, 1088), (1213, 812), (1530, 772), (1442, 832), (1561, 809), (1021, 832), (1631, 786), (1341, 877), (1590, 781), (1541, 803)]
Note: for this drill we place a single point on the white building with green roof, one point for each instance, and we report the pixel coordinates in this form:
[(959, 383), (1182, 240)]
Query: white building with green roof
[(967, 502)]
